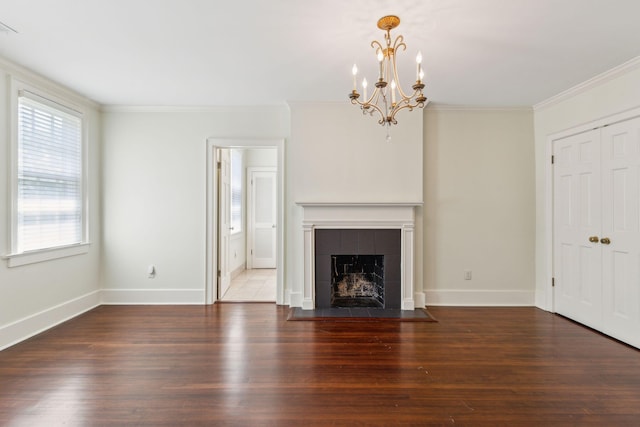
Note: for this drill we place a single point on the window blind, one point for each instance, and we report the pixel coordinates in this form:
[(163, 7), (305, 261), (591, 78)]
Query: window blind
[(236, 191), (49, 182)]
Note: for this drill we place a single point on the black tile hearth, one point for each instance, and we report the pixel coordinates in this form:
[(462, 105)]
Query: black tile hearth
[(358, 313)]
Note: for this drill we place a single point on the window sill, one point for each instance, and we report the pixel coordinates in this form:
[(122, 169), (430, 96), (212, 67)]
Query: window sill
[(16, 260)]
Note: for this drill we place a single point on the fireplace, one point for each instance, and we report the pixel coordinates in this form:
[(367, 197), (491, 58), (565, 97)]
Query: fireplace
[(393, 222)]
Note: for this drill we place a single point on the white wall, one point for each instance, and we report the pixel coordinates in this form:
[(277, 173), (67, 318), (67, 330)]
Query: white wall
[(338, 155), (261, 157), (613, 92), (36, 296), (154, 195), (479, 206)]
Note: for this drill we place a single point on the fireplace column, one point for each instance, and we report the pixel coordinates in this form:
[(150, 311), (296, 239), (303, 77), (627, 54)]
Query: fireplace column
[(408, 276), (308, 300)]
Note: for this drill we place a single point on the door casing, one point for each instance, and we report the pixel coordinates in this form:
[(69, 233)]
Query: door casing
[(212, 145), (547, 303)]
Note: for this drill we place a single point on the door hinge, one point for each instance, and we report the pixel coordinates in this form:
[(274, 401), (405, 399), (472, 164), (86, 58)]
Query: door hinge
[(219, 273), (219, 165), (251, 252), (553, 158), (553, 282)]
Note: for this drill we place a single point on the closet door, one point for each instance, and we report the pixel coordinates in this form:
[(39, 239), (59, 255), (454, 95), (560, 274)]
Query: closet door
[(577, 224), (620, 239)]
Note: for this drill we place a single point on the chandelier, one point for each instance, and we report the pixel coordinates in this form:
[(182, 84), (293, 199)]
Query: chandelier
[(388, 97)]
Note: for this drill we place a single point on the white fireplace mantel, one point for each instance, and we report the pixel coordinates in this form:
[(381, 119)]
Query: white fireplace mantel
[(339, 215)]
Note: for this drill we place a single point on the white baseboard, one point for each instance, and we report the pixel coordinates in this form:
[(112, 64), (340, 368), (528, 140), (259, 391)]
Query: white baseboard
[(295, 299), (488, 298), (32, 325), (235, 273), (152, 296), (418, 299)]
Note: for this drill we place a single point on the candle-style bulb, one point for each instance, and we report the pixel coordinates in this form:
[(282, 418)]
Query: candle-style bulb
[(364, 89), (380, 58), (419, 57), (354, 70), (421, 74)]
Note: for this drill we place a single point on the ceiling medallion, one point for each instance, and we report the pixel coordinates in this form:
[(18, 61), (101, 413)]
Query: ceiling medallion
[(388, 97)]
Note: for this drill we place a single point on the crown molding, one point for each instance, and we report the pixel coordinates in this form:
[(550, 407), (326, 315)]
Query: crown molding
[(596, 81), (43, 83), (454, 107), (188, 109)]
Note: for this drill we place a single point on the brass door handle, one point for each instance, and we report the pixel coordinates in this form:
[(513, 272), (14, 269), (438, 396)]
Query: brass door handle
[(605, 241), (594, 239)]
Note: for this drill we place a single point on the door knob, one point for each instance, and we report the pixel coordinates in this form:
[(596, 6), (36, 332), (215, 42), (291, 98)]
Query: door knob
[(593, 239), (605, 241)]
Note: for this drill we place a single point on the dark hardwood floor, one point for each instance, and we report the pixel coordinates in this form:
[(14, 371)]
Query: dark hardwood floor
[(245, 365)]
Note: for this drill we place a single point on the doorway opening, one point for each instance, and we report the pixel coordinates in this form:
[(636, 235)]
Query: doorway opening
[(245, 238)]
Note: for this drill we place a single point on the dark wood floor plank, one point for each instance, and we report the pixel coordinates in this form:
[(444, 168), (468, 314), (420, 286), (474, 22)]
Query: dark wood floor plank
[(245, 365)]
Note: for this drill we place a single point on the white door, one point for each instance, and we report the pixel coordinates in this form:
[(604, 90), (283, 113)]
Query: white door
[(577, 254), (621, 230), (224, 222), (262, 217), (597, 229)]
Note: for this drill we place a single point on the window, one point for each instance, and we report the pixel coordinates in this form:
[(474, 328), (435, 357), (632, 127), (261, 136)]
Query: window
[(48, 199), (236, 191)]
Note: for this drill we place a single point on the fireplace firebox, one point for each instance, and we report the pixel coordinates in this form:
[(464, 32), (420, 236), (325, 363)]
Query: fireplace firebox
[(357, 281), (358, 268)]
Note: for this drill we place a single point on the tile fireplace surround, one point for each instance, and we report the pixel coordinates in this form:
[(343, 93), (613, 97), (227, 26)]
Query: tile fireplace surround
[(361, 216)]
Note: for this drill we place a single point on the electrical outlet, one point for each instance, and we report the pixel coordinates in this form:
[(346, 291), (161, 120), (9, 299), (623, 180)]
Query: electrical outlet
[(467, 275)]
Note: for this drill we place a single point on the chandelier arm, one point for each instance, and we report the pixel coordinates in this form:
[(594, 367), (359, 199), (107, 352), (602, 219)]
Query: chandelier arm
[(398, 85), (397, 44), (356, 101), (376, 45), (409, 106), (369, 107), (402, 104), (375, 96), (376, 108), (417, 93), (373, 100)]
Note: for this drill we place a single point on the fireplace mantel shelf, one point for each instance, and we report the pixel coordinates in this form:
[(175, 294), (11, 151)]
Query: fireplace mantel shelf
[(358, 204)]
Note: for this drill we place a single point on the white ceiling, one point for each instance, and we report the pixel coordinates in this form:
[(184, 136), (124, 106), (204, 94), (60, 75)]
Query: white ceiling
[(258, 52)]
